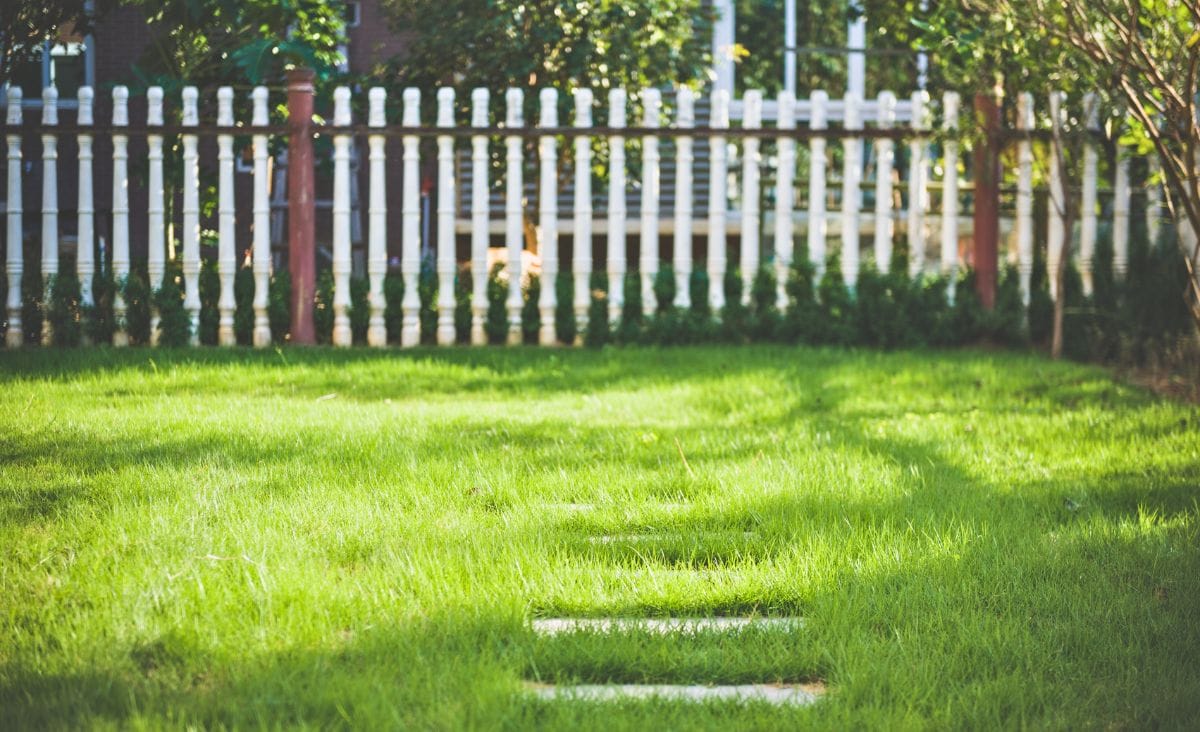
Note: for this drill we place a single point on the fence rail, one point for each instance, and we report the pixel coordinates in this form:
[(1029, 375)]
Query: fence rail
[(713, 181)]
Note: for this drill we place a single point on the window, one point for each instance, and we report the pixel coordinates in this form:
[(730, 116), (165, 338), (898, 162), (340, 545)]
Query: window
[(66, 64), (351, 15)]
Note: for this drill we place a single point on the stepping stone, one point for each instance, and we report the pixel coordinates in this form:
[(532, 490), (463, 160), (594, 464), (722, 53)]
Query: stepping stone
[(778, 694), (643, 538), (661, 626)]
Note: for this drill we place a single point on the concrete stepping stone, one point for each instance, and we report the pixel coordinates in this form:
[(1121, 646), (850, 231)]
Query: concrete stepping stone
[(665, 538), (662, 626), (778, 694)]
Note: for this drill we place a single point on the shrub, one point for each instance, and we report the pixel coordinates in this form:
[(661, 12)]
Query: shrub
[(801, 319), (1040, 313), (99, 323), (323, 307), (279, 305), (835, 322), (735, 316), (565, 327), (876, 321), (1006, 324), (360, 309), (32, 306), (598, 331), (966, 313), (531, 319), (462, 304), (496, 323), (210, 294), (174, 326), (63, 309), (766, 322), (928, 312), (136, 291), (665, 289), (393, 309), (633, 315), (427, 291), (243, 312)]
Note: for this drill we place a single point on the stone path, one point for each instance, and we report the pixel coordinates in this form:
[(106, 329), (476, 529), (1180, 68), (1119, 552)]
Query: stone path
[(796, 694), (768, 693)]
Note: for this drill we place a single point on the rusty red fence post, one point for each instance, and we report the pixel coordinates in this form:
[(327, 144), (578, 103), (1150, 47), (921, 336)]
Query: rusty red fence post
[(986, 222), (302, 259)]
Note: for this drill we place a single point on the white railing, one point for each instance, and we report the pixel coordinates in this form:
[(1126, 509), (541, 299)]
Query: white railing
[(692, 156)]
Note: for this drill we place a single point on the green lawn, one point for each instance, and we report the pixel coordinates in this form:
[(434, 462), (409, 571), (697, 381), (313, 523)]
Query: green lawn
[(358, 538)]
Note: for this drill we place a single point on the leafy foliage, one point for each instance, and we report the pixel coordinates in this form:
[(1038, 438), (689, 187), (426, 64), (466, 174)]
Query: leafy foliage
[(174, 325), (633, 314), (210, 295), (393, 309), (136, 291), (360, 309), (496, 323), (279, 305), (323, 307), (427, 291), (462, 304), (531, 319), (598, 331), (565, 327), (243, 312), (63, 310)]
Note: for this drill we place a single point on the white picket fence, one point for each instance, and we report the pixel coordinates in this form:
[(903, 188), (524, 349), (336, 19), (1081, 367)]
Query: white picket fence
[(815, 222)]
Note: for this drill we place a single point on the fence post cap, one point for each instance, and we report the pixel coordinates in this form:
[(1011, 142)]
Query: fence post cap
[(50, 105), (445, 103), (86, 95), (412, 106), (154, 105), (479, 107), (787, 110), (225, 105), (548, 105), (120, 95)]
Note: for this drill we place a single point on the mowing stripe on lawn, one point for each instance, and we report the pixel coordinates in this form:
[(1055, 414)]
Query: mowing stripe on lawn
[(778, 694), (662, 626)]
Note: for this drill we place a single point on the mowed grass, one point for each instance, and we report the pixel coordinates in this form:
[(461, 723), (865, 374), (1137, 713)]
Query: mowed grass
[(320, 538)]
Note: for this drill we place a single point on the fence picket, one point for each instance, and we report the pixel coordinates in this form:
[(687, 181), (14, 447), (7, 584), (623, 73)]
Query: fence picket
[(410, 254), (377, 220), (120, 211), (447, 261), (717, 200), (949, 259), (1087, 228), (479, 216), (851, 190), (817, 221), (1025, 194), (261, 242), (884, 161), (14, 261), (918, 184), (548, 218), (785, 195), (1057, 213), (751, 216), (514, 213), (1120, 236), (49, 201), (156, 252), (581, 237), (191, 217), (226, 249), (341, 221), (685, 118), (616, 205), (85, 261), (651, 190)]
